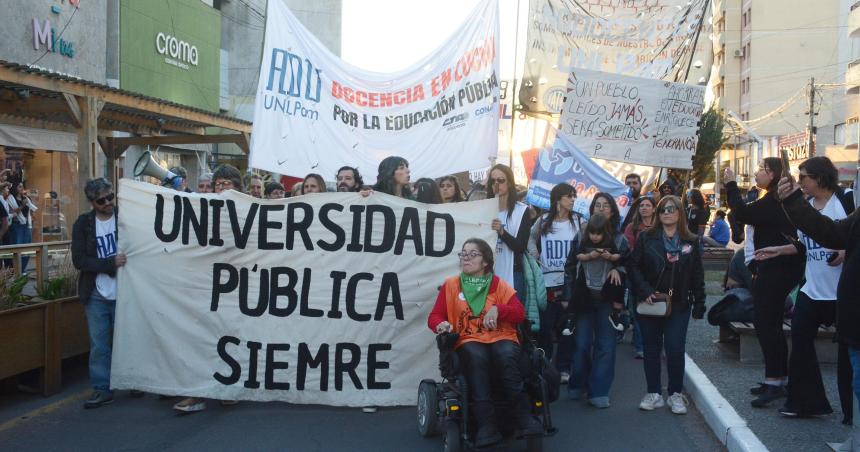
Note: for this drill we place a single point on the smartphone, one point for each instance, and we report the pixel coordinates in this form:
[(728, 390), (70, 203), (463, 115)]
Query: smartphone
[(832, 257), (786, 167)]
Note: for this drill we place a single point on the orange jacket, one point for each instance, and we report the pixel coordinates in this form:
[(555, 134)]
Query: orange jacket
[(451, 306)]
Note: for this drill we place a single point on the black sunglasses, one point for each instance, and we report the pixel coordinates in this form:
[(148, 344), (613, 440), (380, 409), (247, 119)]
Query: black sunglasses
[(104, 199), (668, 209)]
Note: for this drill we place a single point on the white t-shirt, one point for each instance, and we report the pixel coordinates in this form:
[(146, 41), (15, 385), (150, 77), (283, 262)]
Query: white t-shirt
[(821, 279), (554, 248), (106, 247), (504, 267)]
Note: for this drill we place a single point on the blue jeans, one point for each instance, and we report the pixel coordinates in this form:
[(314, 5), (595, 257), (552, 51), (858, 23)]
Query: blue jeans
[(594, 353), (17, 236), (671, 333), (100, 319), (631, 307)]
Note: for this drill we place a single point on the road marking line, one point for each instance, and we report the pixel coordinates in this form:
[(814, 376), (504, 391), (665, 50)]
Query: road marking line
[(45, 409)]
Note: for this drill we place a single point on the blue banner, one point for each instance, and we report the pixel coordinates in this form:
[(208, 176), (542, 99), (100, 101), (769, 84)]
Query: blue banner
[(564, 162)]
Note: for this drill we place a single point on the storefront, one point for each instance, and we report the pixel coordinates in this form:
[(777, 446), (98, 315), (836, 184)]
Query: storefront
[(66, 38), (171, 50)]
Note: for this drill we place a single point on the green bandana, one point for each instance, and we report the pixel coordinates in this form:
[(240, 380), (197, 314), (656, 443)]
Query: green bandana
[(475, 289)]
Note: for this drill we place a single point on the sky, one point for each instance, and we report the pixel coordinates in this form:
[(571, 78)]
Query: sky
[(390, 35)]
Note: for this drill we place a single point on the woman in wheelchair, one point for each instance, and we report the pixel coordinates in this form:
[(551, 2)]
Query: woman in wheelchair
[(484, 311)]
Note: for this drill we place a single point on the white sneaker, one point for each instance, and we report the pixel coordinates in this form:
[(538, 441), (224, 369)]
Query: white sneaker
[(651, 402), (678, 403), (368, 409), (565, 377), (190, 405)]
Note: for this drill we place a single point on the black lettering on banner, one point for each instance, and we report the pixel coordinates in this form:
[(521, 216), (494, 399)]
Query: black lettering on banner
[(277, 290), (339, 234), (390, 285), (409, 220), (350, 296), (301, 226), (337, 277), (240, 237), (235, 368), (387, 234), (373, 365), (190, 220), (262, 297), (218, 287), (304, 309), (216, 205), (159, 218), (341, 366), (272, 366), (254, 350), (355, 237), (262, 238), (430, 227), (307, 360)]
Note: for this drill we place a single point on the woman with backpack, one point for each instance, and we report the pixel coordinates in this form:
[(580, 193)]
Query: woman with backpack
[(550, 243), (816, 301), (669, 281)]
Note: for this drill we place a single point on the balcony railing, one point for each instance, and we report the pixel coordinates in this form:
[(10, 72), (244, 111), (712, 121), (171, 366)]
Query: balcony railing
[(852, 77), (854, 21)]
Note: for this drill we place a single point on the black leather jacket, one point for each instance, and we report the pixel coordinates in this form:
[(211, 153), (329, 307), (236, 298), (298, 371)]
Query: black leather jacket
[(648, 261)]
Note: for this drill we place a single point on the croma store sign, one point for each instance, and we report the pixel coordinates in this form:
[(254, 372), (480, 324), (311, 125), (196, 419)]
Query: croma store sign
[(177, 53)]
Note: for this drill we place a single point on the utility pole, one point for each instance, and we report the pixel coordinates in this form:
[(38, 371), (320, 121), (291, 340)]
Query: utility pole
[(810, 143)]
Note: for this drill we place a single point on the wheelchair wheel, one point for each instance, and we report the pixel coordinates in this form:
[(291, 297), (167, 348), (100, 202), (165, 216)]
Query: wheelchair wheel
[(534, 444), (428, 409), (453, 441)]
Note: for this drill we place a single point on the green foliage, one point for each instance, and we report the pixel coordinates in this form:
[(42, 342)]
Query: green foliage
[(52, 289), (711, 140), (12, 289)]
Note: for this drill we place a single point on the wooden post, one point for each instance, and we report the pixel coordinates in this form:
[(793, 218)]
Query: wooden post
[(87, 144)]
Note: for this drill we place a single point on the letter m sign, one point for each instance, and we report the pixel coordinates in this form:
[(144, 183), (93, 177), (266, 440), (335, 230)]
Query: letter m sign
[(42, 35)]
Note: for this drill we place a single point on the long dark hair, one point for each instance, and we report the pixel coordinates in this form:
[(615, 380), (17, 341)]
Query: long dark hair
[(637, 217), (512, 187), (615, 221), (695, 198), (386, 183), (458, 194), (822, 170), (427, 191), (485, 250), (559, 191), (774, 165)]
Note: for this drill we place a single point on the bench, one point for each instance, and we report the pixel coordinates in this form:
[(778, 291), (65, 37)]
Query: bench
[(749, 349), (717, 258)]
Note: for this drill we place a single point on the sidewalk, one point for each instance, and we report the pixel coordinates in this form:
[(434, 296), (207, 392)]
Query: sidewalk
[(733, 379)]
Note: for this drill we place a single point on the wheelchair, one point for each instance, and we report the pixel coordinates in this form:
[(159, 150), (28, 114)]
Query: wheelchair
[(443, 406)]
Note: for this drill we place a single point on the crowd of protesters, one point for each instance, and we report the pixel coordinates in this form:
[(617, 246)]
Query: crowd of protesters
[(604, 272)]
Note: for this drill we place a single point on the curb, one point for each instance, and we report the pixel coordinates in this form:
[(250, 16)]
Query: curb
[(731, 429)]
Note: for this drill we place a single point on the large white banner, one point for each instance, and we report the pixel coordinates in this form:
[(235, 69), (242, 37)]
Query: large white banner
[(632, 119), (644, 38), (319, 299), (316, 113)]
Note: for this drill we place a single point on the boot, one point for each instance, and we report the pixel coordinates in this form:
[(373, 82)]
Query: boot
[(488, 431), (527, 425)]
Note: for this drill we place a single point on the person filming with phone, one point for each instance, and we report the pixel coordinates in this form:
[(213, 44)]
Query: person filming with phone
[(774, 277)]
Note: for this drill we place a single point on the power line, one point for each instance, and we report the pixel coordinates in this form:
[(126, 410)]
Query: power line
[(58, 36)]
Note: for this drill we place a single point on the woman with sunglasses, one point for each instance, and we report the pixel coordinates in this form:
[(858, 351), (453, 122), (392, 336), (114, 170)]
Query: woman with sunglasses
[(484, 311), (816, 301), (512, 226), (774, 277), (550, 242), (667, 264)]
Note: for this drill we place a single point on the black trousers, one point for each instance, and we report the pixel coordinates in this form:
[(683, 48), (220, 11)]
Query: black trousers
[(806, 393), (479, 361), (774, 280)]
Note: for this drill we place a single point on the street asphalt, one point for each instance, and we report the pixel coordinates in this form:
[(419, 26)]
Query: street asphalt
[(34, 423)]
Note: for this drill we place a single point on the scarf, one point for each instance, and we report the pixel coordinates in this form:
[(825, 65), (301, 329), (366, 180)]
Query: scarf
[(673, 246), (476, 289)]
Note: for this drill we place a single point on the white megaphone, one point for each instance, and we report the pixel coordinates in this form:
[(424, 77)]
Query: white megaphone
[(147, 166)]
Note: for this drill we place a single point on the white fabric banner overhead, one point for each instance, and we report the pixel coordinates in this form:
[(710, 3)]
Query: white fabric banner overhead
[(315, 113), (318, 299), (632, 119), (644, 38)]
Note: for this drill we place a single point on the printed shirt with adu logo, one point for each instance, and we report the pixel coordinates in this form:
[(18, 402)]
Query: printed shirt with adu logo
[(106, 247), (821, 278)]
